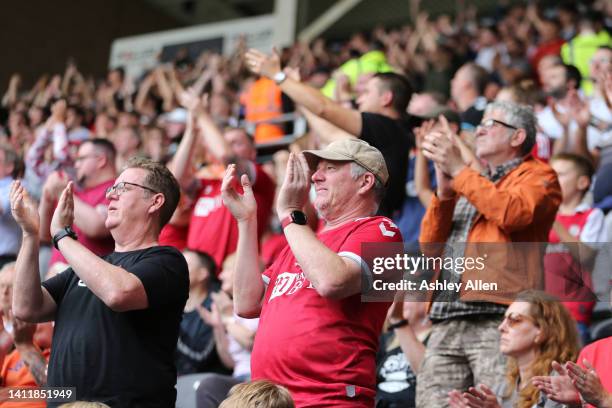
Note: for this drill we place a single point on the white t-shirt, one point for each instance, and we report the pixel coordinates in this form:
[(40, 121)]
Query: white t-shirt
[(549, 126), (240, 355)]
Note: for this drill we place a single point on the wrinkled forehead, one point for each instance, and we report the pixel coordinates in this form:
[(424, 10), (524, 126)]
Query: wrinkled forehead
[(494, 113), (132, 175)]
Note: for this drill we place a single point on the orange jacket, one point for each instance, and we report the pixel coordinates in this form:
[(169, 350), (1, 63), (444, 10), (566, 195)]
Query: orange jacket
[(263, 102), (520, 208)]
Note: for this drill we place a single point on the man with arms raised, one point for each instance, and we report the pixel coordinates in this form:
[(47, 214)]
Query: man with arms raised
[(381, 119), (117, 317), (315, 337)]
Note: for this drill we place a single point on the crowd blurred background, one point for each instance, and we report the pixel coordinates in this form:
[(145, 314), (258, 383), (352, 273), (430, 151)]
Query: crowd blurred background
[(556, 58)]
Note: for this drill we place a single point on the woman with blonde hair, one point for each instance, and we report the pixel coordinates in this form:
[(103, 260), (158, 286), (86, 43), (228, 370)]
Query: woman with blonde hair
[(537, 330)]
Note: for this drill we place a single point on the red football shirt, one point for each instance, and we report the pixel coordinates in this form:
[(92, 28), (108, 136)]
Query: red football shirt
[(322, 350), (95, 197), (599, 355), (213, 229)]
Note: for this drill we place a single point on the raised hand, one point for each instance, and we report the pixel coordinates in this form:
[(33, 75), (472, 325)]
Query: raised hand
[(293, 194), (242, 206), (64, 212), (262, 64), (190, 100), (23, 209), (441, 147)]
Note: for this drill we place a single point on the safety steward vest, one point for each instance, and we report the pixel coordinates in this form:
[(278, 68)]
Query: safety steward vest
[(263, 102)]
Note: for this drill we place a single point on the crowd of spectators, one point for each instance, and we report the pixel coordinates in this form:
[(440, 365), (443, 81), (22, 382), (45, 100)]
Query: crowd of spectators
[(493, 128)]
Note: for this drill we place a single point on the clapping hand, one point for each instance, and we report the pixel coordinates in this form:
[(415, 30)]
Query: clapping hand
[(587, 382), (293, 194), (559, 388), (440, 147), (23, 209), (64, 212), (242, 206), (476, 397)]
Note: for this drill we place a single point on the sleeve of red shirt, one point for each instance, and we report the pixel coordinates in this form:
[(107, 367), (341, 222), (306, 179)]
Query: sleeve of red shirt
[(375, 230)]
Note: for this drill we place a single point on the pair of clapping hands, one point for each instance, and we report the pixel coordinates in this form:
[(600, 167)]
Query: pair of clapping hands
[(25, 211), (572, 385)]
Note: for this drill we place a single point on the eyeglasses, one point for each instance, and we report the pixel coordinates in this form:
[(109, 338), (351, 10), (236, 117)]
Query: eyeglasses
[(121, 188), (489, 123), (513, 319)]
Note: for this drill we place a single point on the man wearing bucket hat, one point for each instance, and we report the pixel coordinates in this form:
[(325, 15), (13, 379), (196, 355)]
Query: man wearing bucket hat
[(316, 337)]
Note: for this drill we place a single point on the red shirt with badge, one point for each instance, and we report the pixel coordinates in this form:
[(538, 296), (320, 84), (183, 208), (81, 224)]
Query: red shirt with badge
[(323, 350), (213, 229)]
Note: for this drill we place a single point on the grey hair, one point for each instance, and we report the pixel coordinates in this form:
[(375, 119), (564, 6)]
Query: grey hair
[(379, 188), (521, 116)]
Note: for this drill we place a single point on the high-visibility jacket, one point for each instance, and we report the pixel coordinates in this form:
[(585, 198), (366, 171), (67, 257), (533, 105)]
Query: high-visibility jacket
[(578, 52), (263, 101), (370, 62)]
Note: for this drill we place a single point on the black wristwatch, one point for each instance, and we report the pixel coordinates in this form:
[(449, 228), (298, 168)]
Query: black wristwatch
[(397, 325), (66, 232), (297, 217)]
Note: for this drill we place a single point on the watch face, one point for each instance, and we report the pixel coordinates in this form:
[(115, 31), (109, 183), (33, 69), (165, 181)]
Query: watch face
[(298, 217)]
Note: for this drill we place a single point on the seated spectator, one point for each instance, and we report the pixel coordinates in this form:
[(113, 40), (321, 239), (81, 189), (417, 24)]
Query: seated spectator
[(196, 345), (536, 331), (400, 353), (234, 337), (577, 224), (258, 394), (586, 383)]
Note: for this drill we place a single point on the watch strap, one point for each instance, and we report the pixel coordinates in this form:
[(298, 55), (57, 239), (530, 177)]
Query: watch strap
[(66, 232), (397, 325)]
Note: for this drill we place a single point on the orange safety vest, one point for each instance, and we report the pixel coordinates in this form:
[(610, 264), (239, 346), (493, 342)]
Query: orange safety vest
[(263, 102)]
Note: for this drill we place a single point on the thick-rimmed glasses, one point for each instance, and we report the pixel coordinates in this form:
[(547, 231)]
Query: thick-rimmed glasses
[(121, 188), (489, 123)]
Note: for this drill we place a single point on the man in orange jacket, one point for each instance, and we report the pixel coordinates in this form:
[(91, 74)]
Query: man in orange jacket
[(514, 199)]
